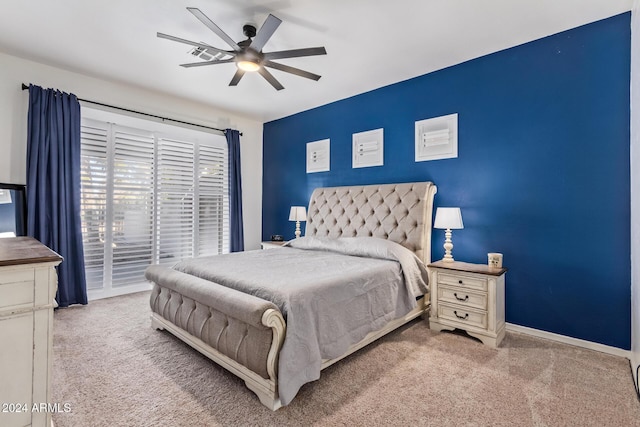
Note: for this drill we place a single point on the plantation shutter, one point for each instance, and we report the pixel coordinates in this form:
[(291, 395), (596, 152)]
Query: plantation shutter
[(176, 189), (93, 204), (133, 170), (213, 201)]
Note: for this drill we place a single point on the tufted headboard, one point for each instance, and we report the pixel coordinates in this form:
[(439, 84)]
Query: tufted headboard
[(398, 212)]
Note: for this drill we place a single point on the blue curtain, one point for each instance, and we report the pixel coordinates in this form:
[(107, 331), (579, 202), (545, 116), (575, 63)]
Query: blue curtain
[(53, 185), (235, 191)]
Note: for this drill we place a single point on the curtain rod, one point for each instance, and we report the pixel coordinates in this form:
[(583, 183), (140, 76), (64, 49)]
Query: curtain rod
[(25, 87)]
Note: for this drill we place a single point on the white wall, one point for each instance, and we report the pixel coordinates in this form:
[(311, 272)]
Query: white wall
[(635, 189), (13, 124)]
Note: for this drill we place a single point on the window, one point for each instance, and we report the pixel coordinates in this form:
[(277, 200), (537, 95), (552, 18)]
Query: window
[(153, 196)]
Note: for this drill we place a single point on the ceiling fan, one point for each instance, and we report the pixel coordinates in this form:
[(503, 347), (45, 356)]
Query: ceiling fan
[(247, 54)]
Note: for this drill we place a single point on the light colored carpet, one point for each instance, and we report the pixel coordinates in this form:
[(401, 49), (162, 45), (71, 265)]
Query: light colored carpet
[(114, 370)]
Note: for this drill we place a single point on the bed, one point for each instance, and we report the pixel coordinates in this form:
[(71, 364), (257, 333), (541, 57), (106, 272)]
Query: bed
[(358, 274)]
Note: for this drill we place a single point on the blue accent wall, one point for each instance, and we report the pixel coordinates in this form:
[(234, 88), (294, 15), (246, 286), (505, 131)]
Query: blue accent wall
[(542, 175)]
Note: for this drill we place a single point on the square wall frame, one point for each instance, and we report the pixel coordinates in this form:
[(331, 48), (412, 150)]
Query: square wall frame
[(319, 156), (437, 138), (368, 148)]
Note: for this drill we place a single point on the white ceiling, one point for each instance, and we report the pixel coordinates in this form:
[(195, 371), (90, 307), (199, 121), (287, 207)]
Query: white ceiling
[(369, 44)]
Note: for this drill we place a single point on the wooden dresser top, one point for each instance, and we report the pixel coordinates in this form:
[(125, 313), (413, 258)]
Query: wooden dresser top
[(25, 250)]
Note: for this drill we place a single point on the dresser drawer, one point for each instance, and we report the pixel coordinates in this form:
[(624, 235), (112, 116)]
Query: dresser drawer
[(463, 315), (462, 297), (16, 288), (463, 281)]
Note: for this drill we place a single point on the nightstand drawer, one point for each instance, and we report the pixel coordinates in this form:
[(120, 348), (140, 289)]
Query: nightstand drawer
[(460, 280), (462, 297), (463, 315)]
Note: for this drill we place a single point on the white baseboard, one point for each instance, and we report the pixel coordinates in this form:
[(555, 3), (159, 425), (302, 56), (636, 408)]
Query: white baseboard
[(569, 340), (93, 294)]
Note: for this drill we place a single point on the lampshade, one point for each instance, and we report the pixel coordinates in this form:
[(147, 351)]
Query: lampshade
[(298, 213), (448, 218)]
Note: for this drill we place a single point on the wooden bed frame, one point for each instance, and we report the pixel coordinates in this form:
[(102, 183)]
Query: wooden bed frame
[(397, 212)]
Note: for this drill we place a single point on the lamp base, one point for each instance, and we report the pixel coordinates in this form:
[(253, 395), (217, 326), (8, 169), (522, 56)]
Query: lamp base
[(448, 246)]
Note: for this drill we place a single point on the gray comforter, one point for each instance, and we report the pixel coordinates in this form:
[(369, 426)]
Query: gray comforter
[(332, 292)]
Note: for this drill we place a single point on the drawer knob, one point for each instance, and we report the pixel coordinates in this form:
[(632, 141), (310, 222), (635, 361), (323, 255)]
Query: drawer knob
[(466, 315), (460, 282), (466, 297)]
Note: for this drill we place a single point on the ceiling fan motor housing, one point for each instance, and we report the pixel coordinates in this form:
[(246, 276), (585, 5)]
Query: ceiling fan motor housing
[(251, 55)]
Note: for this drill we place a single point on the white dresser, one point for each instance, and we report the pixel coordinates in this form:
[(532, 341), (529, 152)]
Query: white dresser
[(468, 297), (28, 284)]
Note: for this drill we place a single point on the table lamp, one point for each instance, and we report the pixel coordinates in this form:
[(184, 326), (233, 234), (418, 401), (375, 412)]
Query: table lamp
[(297, 214), (449, 219)]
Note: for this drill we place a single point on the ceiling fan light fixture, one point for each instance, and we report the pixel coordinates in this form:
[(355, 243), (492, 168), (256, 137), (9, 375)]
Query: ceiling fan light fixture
[(249, 66)]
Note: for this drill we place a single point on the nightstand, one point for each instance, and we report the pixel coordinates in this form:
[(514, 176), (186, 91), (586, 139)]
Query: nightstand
[(271, 244), (468, 297)]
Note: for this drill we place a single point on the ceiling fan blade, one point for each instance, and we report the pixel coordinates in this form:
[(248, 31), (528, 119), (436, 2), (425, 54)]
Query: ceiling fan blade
[(236, 77), (269, 77), (213, 27), (292, 70), (265, 32), (202, 63), (294, 53), (196, 44)]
